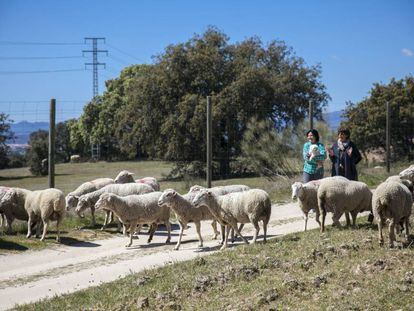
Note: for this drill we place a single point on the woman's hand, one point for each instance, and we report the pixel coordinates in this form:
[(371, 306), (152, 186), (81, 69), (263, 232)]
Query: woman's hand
[(329, 151), (349, 151)]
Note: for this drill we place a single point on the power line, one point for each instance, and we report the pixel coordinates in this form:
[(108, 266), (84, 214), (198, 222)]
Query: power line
[(38, 43), (125, 53), (38, 71), (38, 57)]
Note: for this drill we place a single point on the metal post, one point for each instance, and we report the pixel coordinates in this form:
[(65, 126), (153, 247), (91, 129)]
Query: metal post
[(209, 141), (310, 115), (51, 156), (387, 136)]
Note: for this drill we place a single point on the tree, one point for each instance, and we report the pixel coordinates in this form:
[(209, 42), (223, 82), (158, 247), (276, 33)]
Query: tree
[(5, 135), (367, 119), (37, 152)]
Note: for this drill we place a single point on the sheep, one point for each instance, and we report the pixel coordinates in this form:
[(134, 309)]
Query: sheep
[(339, 195), (307, 195), (126, 177), (393, 201), (12, 205), (186, 212), (243, 207), (46, 205), (402, 180), (408, 173), (137, 209), (221, 190), (75, 158), (89, 186), (88, 200)]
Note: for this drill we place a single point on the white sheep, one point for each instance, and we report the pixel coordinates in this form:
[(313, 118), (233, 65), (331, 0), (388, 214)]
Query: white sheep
[(127, 177), (393, 201), (340, 195), (408, 173), (249, 206), (88, 200), (307, 195), (406, 182), (45, 205), (186, 212), (12, 205), (75, 158), (89, 186), (137, 209)]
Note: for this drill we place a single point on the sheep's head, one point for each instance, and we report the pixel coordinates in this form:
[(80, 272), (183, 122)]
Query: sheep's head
[(195, 188), (202, 198), (408, 173), (296, 190), (83, 203), (71, 201), (124, 177), (104, 201), (313, 149), (166, 197)]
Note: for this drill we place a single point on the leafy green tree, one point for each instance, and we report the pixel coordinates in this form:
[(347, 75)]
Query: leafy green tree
[(367, 119), (5, 135), (37, 152), (63, 147)]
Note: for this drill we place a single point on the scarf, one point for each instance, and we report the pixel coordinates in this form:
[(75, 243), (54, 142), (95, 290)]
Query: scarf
[(343, 145)]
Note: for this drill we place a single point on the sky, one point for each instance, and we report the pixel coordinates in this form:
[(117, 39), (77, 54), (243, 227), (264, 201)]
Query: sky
[(357, 43)]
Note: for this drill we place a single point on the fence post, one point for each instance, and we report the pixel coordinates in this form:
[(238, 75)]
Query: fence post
[(51, 156), (209, 142), (310, 115), (387, 136)]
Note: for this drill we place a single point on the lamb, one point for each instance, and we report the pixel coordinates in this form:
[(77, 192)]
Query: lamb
[(314, 151), (89, 186), (307, 195), (186, 212), (126, 177), (137, 209), (243, 207), (75, 158), (88, 200), (408, 173), (339, 195), (393, 201), (12, 205)]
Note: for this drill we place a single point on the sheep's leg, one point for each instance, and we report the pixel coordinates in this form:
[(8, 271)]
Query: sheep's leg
[(37, 225), (223, 233), (306, 221), (354, 216), (380, 227), (232, 236), (335, 219), (348, 221), (168, 225), (138, 230), (111, 217), (256, 233), (226, 236), (9, 224), (182, 227), (132, 226), (29, 226), (93, 216), (391, 233), (198, 225), (45, 225), (323, 221), (106, 220), (265, 222), (152, 229), (407, 224), (216, 232), (317, 217), (57, 228), (238, 232)]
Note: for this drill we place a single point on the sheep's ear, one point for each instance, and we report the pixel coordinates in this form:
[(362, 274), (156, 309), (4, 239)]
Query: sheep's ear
[(130, 174), (174, 193), (209, 193)]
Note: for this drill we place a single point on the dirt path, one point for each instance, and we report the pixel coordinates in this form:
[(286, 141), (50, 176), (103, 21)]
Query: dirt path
[(35, 275)]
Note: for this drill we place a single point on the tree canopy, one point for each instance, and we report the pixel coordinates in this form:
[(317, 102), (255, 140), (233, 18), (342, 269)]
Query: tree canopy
[(5, 135)]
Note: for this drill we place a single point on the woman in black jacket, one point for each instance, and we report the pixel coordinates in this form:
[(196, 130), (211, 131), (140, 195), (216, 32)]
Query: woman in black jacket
[(344, 156)]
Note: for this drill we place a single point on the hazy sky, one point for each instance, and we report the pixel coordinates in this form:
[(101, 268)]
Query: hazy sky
[(357, 43)]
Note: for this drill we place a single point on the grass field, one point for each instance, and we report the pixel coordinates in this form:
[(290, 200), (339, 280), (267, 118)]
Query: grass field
[(339, 270), (69, 176)]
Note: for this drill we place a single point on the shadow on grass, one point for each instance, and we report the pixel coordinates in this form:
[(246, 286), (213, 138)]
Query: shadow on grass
[(26, 177), (7, 245)]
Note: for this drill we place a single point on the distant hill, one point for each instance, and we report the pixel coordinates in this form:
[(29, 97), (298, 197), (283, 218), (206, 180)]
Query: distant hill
[(333, 119), (23, 129)]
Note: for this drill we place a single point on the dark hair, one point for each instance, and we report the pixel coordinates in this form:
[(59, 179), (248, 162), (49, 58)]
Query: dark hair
[(344, 131), (315, 134)]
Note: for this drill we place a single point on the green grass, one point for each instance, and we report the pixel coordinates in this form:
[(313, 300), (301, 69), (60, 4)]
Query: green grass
[(339, 270), (71, 175)]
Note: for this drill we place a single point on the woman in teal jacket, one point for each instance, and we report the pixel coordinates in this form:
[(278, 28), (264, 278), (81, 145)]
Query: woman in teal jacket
[(313, 167)]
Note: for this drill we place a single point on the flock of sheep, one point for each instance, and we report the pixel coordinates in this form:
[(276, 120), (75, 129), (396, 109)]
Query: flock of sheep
[(138, 202), (391, 201)]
